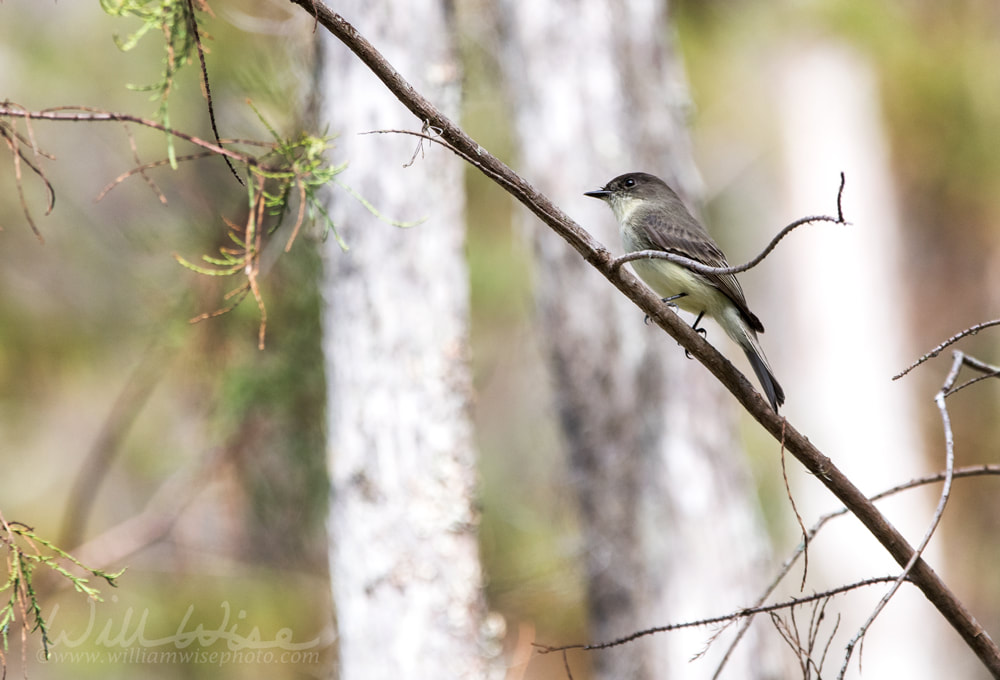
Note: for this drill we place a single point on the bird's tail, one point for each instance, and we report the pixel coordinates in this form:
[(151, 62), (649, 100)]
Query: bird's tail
[(746, 338), (772, 389)]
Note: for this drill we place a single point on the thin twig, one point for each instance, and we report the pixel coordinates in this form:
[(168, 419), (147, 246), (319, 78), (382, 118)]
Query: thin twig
[(738, 614), (14, 140), (959, 473), (88, 114), (193, 27), (798, 518), (569, 673), (970, 471), (436, 139), (972, 330), (988, 370), (140, 169), (793, 637), (810, 535), (254, 239), (299, 218)]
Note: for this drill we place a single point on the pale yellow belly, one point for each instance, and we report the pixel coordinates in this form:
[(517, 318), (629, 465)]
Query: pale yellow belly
[(668, 279)]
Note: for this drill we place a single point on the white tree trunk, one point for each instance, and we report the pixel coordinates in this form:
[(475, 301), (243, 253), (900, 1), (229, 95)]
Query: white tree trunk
[(847, 309), (404, 557), (670, 519)]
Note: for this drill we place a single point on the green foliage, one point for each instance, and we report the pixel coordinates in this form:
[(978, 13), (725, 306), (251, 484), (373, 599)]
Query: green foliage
[(272, 428), (291, 168), (26, 552), (176, 20), (298, 164)]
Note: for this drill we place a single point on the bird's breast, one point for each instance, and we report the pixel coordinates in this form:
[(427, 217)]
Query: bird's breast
[(668, 279)]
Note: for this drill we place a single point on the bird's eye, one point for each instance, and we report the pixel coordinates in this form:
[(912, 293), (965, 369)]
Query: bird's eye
[(629, 183)]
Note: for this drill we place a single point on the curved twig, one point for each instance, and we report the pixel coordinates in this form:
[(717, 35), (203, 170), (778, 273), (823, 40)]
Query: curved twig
[(141, 170), (193, 27), (14, 141), (702, 268)]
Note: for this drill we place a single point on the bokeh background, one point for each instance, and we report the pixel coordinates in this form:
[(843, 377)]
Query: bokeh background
[(184, 453)]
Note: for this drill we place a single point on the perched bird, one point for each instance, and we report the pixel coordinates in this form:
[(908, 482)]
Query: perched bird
[(653, 217)]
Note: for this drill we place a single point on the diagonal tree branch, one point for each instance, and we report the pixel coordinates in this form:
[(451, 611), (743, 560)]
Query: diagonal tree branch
[(922, 575)]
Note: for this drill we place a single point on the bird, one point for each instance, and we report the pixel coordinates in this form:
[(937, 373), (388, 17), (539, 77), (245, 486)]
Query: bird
[(651, 216)]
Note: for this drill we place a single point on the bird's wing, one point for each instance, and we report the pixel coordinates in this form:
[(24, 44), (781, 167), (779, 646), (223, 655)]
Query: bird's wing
[(681, 233)]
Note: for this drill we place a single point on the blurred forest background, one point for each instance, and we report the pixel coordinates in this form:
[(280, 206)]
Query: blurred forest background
[(184, 453)]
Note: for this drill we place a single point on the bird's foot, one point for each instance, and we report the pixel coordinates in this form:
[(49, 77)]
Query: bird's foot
[(670, 303)]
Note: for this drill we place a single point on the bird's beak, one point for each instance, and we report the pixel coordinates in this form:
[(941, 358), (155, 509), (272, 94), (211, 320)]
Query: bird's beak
[(602, 194)]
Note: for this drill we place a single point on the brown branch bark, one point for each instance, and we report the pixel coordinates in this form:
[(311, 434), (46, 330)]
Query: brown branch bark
[(80, 114), (922, 575)]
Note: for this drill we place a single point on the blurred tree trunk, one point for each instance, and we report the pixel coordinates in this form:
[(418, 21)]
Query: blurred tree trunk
[(832, 123), (670, 519), (404, 558)]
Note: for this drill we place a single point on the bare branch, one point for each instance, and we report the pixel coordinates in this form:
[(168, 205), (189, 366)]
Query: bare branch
[(715, 620), (87, 114), (970, 471), (569, 673), (972, 330), (988, 371), (141, 170), (422, 135)]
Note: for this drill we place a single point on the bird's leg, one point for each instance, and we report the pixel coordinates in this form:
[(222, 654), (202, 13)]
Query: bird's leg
[(670, 303), (695, 328), (701, 331)]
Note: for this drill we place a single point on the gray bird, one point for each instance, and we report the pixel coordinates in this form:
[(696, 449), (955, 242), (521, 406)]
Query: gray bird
[(653, 217)]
